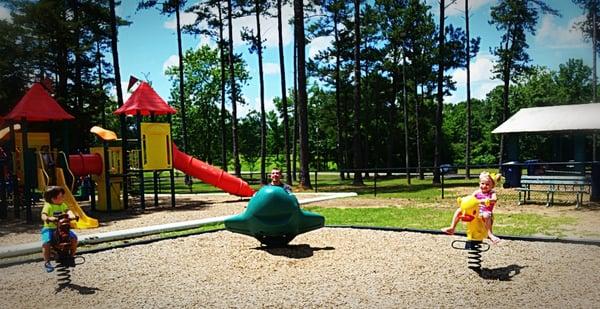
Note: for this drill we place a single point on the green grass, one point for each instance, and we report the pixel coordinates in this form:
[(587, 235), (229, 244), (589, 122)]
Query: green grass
[(419, 191), (393, 187), (433, 219)]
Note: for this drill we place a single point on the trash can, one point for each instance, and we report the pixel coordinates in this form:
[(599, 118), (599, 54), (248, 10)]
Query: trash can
[(446, 169), (595, 196), (534, 167), (512, 174)]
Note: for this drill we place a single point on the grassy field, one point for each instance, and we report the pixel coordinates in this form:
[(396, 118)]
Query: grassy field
[(419, 191), (435, 218)]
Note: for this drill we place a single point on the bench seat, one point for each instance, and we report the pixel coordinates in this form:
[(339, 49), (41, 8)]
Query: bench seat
[(578, 184)]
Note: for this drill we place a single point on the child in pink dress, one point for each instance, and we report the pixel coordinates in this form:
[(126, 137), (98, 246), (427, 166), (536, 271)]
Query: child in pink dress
[(487, 196)]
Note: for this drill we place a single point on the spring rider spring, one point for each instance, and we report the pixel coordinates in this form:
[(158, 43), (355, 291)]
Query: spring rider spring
[(476, 231), (274, 218)]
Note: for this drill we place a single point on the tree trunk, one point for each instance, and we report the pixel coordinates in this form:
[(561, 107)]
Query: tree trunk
[(181, 84), (79, 140), (468, 133), (223, 85), (440, 98), (302, 96), (236, 154), (263, 118), (506, 89), (594, 55), (338, 109), (286, 128), (295, 139), (117, 69), (358, 179), (405, 112), (594, 76), (418, 131)]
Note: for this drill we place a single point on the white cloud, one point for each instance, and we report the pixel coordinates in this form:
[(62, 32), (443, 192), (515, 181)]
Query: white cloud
[(126, 94), (186, 19), (253, 105), (243, 110), (553, 35), (319, 44), (5, 14), (271, 68), (173, 60), (484, 88), (481, 80), (268, 26), (458, 8), (206, 40), (481, 70)]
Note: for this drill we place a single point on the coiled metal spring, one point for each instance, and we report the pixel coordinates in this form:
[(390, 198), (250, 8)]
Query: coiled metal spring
[(474, 248), (63, 272), (474, 256)]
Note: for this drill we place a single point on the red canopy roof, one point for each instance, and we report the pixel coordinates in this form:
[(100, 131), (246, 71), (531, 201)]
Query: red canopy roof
[(146, 101), (38, 105)]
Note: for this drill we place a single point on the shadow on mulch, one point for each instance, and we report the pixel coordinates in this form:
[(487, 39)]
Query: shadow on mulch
[(501, 273), (293, 251), (14, 224), (82, 290)]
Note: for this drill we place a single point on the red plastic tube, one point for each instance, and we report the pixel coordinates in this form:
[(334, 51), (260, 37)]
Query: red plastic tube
[(85, 164)]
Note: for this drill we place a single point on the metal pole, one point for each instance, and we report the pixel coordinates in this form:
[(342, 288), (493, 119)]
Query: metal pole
[(140, 159), (442, 174), (26, 180), (3, 203), (375, 184), (405, 117)]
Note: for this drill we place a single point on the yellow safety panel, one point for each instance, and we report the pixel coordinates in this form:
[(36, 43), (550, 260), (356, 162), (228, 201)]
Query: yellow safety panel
[(156, 146), (115, 167), (34, 140)]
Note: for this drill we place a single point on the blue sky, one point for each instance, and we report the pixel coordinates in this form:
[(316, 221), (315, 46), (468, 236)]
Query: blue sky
[(149, 45)]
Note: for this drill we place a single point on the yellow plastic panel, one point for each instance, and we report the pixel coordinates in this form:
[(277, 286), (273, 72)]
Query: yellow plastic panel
[(156, 146), (115, 167), (34, 139)]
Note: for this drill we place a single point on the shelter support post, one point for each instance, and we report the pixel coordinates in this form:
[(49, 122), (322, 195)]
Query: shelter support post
[(512, 147)]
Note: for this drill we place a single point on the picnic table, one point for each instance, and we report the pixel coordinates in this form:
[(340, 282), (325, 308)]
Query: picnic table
[(578, 184)]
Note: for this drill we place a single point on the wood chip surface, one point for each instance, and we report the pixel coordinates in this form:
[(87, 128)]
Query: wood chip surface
[(326, 268)]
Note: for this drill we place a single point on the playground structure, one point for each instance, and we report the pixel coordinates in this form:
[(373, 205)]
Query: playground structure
[(23, 150), (476, 231), (274, 218), (115, 170)]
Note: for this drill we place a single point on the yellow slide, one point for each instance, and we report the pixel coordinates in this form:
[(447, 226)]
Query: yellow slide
[(84, 222)]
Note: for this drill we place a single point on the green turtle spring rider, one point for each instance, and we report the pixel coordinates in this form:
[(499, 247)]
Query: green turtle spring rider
[(274, 218)]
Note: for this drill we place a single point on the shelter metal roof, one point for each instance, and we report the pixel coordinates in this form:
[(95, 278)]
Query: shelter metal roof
[(577, 117)]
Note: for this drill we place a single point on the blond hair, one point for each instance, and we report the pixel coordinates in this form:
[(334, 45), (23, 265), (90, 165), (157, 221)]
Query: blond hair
[(491, 177)]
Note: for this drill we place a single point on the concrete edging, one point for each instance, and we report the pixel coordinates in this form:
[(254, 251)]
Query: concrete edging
[(30, 248)]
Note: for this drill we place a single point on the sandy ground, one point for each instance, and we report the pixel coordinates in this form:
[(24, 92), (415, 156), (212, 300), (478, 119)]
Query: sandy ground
[(326, 268)]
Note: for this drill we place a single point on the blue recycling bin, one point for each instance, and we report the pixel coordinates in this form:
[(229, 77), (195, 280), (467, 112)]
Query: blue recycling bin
[(534, 167), (512, 174), (595, 196)]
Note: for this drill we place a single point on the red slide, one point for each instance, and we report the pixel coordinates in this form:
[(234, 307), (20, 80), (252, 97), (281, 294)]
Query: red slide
[(210, 174)]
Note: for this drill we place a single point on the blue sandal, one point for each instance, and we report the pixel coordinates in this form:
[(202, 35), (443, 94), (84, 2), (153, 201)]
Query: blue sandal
[(48, 266)]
